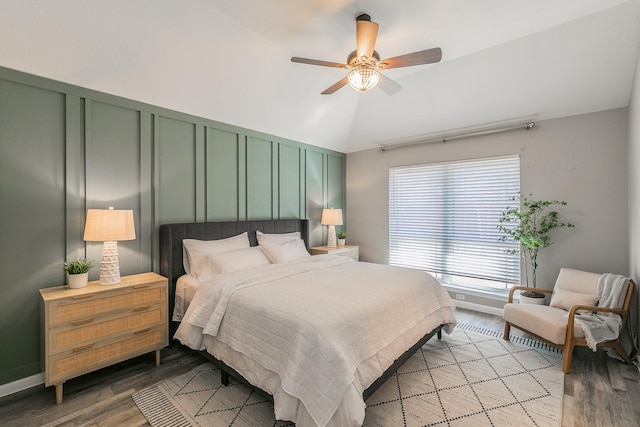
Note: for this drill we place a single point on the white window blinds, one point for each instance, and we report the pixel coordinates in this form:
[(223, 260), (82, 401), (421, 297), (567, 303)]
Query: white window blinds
[(443, 218)]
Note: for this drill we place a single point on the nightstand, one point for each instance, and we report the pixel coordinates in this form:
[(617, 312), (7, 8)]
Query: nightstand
[(351, 251), (96, 326)]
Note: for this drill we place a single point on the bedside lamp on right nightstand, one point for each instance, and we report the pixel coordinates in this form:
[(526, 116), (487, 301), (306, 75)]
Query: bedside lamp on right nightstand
[(331, 217)]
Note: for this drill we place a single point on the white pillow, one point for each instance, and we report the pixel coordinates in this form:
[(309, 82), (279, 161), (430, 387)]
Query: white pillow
[(227, 262), (193, 251), (285, 251), (284, 237), (567, 299)]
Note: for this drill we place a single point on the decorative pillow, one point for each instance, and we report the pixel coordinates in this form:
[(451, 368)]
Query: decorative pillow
[(285, 251), (193, 251), (227, 262), (567, 299), (284, 237)]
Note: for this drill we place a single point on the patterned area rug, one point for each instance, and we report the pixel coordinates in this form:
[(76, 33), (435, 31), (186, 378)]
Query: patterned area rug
[(467, 378)]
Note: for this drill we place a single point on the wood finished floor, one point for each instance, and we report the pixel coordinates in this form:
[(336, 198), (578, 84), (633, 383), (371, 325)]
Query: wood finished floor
[(600, 391)]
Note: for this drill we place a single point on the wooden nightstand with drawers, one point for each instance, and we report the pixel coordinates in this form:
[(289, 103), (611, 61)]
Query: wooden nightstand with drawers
[(351, 251), (96, 326)]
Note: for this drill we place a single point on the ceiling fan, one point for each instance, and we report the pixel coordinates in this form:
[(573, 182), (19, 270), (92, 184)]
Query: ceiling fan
[(364, 63)]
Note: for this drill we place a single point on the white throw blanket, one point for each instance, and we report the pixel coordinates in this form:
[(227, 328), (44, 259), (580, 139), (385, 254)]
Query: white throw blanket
[(313, 321), (602, 326)]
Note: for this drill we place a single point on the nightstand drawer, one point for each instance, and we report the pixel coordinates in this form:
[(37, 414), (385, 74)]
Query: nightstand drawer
[(80, 332), (96, 355), (89, 305)]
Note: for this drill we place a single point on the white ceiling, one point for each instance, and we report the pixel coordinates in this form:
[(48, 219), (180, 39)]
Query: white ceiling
[(229, 60)]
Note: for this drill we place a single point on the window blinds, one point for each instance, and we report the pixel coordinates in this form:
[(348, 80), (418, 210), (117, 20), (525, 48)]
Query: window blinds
[(443, 218)]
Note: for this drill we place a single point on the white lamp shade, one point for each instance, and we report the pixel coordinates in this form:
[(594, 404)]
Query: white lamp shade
[(108, 225), (331, 217)]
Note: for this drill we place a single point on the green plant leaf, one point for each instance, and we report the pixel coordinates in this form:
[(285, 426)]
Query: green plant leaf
[(530, 225)]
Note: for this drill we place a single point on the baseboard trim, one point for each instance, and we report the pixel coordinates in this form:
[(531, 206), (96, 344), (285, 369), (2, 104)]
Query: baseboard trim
[(21, 384), (479, 307)]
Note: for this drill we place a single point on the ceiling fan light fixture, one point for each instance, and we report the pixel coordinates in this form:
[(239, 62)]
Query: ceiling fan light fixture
[(363, 78)]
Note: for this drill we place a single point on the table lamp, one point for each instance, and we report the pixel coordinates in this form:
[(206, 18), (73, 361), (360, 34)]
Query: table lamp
[(109, 226), (331, 217)]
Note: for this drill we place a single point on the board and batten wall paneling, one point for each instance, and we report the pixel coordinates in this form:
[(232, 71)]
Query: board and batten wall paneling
[(335, 190), (75, 175), (176, 175), (222, 175), (260, 186), (32, 217), (289, 166), (64, 149), (316, 197), (113, 173)]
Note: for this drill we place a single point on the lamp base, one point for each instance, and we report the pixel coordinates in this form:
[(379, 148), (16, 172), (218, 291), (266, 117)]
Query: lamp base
[(109, 266), (331, 237)]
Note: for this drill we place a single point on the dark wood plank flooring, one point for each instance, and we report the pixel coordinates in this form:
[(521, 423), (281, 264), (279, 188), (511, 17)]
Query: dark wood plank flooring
[(600, 391)]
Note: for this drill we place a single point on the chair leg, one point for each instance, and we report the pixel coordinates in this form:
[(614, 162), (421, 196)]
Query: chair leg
[(507, 330), (568, 353), (618, 348)]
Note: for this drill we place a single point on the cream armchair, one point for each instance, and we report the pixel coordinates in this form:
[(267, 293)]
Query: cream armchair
[(574, 290)]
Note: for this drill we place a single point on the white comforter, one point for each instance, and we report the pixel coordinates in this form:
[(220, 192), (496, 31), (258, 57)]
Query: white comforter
[(314, 321)]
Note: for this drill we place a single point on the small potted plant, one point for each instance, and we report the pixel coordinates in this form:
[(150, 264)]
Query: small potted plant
[(342, 238), (530, 224), (78, 271)]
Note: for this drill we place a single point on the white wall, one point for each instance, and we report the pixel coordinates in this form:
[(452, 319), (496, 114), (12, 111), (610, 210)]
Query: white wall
[(581, 159)]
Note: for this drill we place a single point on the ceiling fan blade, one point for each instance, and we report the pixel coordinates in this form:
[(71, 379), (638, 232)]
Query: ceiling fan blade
[(335, 86), (388, 86), (366, 35), (317, 62), (428, 56)]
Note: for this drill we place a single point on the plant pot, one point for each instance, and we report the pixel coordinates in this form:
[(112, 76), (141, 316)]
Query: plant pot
[(78, 280), (539, 300), (341, 242)]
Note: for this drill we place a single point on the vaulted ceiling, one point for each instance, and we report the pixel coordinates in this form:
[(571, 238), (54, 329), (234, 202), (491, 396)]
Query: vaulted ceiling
[(229, 60)]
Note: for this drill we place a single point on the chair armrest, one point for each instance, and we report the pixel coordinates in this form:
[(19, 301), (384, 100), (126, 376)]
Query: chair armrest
[(526, 288), (575, 308)]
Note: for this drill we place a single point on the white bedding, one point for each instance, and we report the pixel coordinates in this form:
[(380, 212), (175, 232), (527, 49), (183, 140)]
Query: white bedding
[(186, 287), (316, 331)]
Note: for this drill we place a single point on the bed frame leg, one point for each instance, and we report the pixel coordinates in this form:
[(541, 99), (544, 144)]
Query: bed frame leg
[(224, 377), (439, 334)]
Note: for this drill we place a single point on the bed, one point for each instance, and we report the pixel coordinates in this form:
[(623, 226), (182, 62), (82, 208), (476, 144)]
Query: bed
[(320, 334)]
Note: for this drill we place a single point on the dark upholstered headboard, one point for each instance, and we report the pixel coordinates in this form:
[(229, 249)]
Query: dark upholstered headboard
[(171, 236)]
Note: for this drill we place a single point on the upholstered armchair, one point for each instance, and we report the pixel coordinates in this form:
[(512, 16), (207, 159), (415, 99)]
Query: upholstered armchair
[(575, 294)]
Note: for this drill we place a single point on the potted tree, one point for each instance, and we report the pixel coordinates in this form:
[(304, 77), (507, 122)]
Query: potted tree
[(78, 271), (530, 224)]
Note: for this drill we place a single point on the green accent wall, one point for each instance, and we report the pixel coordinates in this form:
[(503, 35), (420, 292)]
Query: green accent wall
[(64, 149)]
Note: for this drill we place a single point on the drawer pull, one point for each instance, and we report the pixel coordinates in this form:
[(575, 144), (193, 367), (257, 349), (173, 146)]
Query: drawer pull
[(141, 331), (143, 308), (84, 347), (82, 322), (82, 296), (140, 286)]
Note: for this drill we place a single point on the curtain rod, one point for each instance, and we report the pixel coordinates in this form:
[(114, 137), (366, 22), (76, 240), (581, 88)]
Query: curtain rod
[(492, 131)]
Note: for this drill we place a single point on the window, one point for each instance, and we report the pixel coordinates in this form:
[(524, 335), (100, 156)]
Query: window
[(443, 218)]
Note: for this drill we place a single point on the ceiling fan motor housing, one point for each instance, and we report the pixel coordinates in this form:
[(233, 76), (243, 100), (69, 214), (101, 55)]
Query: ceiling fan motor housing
[(354, 55)]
